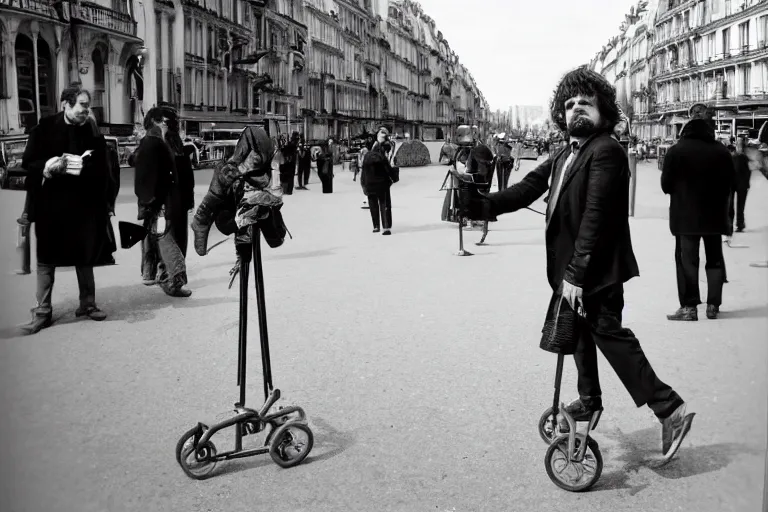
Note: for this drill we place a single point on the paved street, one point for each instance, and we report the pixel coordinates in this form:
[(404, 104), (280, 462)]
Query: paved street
[(420, 371)]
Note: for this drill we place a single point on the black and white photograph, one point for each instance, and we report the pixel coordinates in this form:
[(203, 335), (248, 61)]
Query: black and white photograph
[(384, 255)]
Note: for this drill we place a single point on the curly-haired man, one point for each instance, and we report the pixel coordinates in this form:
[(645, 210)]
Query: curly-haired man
[(589, 251)]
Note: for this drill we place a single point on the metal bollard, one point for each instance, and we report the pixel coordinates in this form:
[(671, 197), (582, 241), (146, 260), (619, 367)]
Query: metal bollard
[(632, 155)]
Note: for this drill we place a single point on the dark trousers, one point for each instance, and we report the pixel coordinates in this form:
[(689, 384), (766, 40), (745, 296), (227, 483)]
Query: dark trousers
[(287, 172), (623, 351), (736, 209), (46, 275), (503, 172), (380, 206), (687, 264), (303, 174)]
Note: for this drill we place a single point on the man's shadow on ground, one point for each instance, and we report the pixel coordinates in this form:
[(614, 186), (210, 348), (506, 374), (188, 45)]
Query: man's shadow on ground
[(639, 450), (749, 312)]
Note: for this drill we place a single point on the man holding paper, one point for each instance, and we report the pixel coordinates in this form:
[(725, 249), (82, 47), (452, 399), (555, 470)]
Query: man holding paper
[(68, 183)]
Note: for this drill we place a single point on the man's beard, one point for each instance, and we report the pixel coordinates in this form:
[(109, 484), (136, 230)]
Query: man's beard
[(581, 126), (74, 119)]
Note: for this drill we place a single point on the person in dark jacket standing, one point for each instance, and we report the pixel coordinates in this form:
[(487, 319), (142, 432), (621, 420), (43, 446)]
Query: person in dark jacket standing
[(325, 166), (288, 167), (158, 190), (698, 175), (304, 156), (69, 203), (589, 249), (376, 180), (738, 198)]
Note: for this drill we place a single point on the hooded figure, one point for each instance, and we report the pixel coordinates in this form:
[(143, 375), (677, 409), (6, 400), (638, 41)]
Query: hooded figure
[(239, 194), (698, 175)]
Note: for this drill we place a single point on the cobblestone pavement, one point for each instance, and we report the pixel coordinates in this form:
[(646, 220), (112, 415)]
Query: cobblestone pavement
[(420, 371)]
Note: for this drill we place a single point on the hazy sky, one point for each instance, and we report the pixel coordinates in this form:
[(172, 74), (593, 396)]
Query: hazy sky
[(518, 49)]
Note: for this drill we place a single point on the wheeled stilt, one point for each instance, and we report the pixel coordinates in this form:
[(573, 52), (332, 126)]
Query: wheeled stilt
[(288, 439)]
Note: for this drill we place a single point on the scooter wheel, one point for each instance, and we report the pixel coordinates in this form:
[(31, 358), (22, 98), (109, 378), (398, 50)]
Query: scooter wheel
[(547, 426), (196, 462), (291, 443), (573, 476)]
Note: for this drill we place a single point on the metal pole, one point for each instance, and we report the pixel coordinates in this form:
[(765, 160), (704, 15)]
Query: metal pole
[(262, 310), (245, 264), (632, 181)]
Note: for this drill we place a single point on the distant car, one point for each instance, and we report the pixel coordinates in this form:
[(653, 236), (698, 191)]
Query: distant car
[(12, 175), (212, 146), (529, 151)]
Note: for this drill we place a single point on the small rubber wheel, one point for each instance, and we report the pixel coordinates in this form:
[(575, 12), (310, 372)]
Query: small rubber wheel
[(573, 476), (291, 443), (196, 462), (547, 426)]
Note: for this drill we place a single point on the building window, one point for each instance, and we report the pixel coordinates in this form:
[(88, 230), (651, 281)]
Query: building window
[(762, 31), (746, 79), (726, 42), (744, 36)]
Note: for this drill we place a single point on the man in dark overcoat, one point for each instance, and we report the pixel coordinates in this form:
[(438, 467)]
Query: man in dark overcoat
[(698, 175), (69, 203), (589, 250), (376, 181), (288, 168)]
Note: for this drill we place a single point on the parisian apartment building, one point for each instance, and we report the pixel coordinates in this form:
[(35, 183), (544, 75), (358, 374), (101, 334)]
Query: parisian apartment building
[(670, 54), (322, 67)]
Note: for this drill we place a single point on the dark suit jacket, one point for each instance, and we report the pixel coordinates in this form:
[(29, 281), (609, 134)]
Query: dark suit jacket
[(587, 237)]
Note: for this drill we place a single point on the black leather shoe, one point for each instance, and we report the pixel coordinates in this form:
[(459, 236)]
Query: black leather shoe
[(91, 312), (684, 314), (712, 311), (579, 411)]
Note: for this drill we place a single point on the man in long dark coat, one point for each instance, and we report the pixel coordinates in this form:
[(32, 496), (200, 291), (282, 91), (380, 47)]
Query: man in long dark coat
[(504, 161), (698, 175), (69, 203), (589, 250), (304, 158), (288, 168)]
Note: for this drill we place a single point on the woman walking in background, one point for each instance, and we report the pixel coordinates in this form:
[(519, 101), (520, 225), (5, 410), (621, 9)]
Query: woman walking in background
[(376, 180), (158, 188)]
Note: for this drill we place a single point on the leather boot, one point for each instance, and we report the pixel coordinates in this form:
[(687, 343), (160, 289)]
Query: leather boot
[(201, 226), (208, 209), (38, 323)]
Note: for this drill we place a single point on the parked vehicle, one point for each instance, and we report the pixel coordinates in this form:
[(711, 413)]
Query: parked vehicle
[(12, 176), (212, 146), (529, 150)]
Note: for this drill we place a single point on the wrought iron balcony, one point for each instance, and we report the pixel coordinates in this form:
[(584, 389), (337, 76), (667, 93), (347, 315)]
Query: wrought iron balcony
[(102, 17), (42, 8)]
